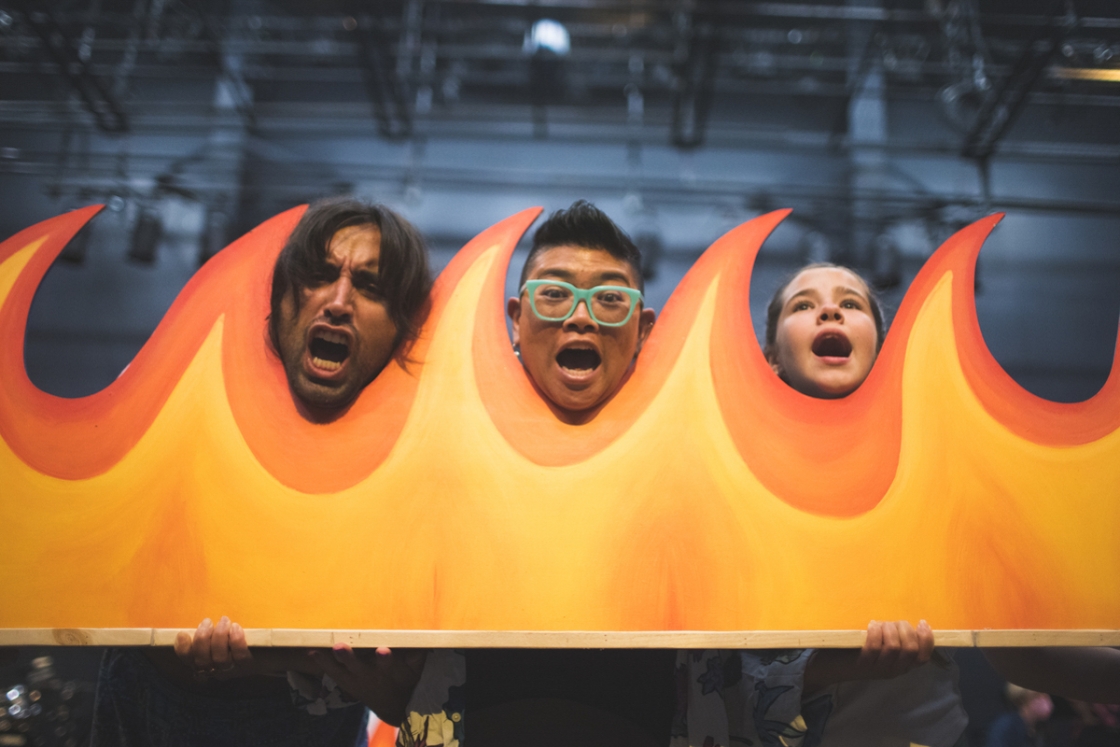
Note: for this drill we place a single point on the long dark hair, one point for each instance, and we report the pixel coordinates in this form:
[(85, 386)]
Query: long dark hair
[(405, 277)]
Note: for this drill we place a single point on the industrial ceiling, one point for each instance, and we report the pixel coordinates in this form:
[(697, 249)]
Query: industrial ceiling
[(885, 124)]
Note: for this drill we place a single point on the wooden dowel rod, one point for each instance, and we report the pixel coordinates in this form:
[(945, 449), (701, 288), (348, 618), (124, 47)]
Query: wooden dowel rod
[(551, 639), (997, 638), (75, 636)]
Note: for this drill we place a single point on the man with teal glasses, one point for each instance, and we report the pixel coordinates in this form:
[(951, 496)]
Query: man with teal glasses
[(579, 320)]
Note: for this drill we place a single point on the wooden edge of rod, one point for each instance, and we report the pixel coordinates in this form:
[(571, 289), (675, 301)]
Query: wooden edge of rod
[(311, 638), (76, 637), (1009, 638), (253, 636)]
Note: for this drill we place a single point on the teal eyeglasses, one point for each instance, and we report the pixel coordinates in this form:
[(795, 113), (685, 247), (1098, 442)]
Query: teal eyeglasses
[(556, 301)]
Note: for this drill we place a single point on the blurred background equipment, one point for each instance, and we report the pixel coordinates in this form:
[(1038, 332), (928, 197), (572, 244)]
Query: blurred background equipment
[(145, 236), (885, 124), (40, 709)]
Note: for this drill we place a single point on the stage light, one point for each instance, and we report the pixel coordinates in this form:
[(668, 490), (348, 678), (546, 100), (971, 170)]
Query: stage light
[(75, 251), (146, 236), (214, 234), (652, 246), (886, 270), (548, 35)]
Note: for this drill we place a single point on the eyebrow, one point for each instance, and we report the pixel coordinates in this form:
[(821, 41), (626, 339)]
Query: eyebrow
[(849, 291), (803, 292), (844, 291), (611, 275), (373, 267)]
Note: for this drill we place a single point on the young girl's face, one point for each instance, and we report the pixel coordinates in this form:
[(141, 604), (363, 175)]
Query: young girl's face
[(826, 340)]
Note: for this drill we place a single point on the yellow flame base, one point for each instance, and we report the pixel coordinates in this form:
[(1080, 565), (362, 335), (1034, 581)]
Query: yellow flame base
[(664, 529)]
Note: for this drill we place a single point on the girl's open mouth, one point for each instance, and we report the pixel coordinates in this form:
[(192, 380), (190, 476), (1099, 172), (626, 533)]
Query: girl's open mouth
[(832, 345)]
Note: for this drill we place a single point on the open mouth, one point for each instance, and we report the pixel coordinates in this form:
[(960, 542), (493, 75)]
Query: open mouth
[(579, 359), (329, 350), (832, 345)]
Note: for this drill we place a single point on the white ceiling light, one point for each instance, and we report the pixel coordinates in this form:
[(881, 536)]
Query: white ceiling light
[(549, 35)]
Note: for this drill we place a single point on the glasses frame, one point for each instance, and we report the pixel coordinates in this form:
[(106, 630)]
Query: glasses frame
[(582, 295)]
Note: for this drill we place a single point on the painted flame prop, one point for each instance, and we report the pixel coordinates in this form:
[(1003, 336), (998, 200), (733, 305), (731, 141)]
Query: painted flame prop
[(706, 496)]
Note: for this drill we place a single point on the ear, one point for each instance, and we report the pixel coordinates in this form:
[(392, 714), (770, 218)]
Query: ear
[(773, 361), (645, 326), (513, 308)]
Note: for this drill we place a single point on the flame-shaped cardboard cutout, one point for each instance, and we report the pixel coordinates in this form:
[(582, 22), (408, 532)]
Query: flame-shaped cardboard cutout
[(706, 496)]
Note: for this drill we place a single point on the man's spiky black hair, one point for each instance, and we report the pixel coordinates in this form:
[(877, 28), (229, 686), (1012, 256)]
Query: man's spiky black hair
[(584, 225)]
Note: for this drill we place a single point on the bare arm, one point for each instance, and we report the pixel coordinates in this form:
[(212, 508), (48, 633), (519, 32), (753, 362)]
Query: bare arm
[(889, 650), (1079, 672)]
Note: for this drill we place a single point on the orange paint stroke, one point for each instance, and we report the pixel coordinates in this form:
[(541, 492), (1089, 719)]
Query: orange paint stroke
[(83, 437), (706, 495), (832, 457), (1028, 415)]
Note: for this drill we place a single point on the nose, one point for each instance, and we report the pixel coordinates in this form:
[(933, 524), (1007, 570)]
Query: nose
[(830, 312), (581, 319), (339, 304)]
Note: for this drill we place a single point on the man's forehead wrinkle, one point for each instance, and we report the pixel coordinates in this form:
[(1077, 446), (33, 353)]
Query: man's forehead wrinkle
[(354, 269), (338, 259)]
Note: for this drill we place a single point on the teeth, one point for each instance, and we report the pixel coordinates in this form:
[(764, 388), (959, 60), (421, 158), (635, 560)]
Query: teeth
[(325, 364), (334, 337)]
